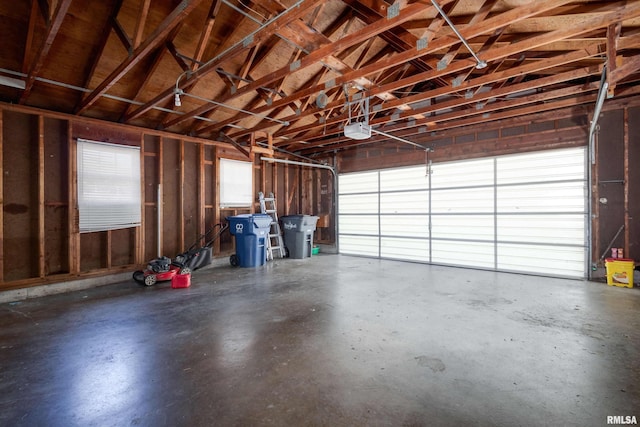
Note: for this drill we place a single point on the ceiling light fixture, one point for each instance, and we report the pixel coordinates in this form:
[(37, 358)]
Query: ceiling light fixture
[(480, 64)]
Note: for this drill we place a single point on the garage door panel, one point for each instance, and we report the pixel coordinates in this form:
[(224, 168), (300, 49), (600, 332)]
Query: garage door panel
[(413, 178), (554, 165), (405, 225), (358, 224), (358, 203), (551, 229), (361, 182), (541, 259), (404, 202), (463, 227), (468, 254), (359, 245), (467, 200), (462, 174), (404, 249), (554, 197)]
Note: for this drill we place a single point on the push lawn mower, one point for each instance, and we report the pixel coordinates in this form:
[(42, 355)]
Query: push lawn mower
[(159, 270), (198, 255)]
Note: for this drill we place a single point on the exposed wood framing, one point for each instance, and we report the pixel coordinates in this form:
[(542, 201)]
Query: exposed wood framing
[(142, 19), (181, 195), (98, 51), (205, 34), (318, 55), (229, 54), (39, 58), (160, 201), (140, 234), (109, 249), (613, 34), (28, 46), (625, 169), (1, 197), (491, 24), (41, 200), (72, 224), (122, 35), (200, 193), (152, 42)]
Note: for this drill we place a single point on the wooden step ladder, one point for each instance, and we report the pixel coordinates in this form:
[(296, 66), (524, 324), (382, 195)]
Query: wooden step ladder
[(275, 242)]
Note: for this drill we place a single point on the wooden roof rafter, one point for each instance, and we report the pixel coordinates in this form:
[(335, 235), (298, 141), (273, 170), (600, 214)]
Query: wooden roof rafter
[(489, 25), (261, 35), (37, 61), (151, 42), (596, 21), (319, 54), (487, 79)]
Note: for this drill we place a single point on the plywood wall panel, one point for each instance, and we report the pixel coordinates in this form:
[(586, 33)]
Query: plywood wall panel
[(190, 193), (171, 201), (610, 179), (122, 247), (20, 196), (56, 196), (634, 183), (93, 251)]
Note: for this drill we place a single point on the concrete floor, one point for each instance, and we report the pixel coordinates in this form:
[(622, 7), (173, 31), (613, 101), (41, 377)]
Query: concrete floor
[(331, 340)]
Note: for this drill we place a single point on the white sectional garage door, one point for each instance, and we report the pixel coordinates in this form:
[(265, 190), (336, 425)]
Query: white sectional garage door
[(520, 213)]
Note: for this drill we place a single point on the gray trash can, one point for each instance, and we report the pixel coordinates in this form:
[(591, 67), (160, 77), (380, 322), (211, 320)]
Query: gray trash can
[(298, 234)]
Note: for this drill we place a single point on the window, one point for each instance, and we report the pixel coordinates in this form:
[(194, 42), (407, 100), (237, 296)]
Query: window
[(108, 186), (236, 183)]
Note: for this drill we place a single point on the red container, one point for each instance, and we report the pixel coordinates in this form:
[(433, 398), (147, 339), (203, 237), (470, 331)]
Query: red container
[(181, 281)]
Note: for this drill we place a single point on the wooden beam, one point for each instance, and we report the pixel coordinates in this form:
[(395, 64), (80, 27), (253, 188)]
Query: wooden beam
[(45, 11), (142, 19), (28, 46), (109, 249), (154, 40), (626, 186), (202, 192), (312, 58), (42, 238), (489, 25), (463, 101), (45, 46), (613, 34), (122, 35), (628, 67), (205, 34), (181, 196), (233, 142), (140, 236), (1, 197), (159, 202), (261, 35), (73, 214), (96, 53)]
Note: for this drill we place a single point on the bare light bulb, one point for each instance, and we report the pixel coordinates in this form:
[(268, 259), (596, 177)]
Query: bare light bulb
[(176, 100)]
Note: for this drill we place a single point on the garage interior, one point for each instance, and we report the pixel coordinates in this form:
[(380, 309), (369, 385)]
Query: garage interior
[(471, 164)]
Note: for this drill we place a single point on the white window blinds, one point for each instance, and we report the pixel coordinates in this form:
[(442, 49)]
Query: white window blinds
[(236, 183), (108, 186)]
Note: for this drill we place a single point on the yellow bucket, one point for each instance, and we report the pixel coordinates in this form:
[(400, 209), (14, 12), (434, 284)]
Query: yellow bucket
[(620, 272)]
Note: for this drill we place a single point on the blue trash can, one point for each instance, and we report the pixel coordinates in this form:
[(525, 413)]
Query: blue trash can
[(251, 232)]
